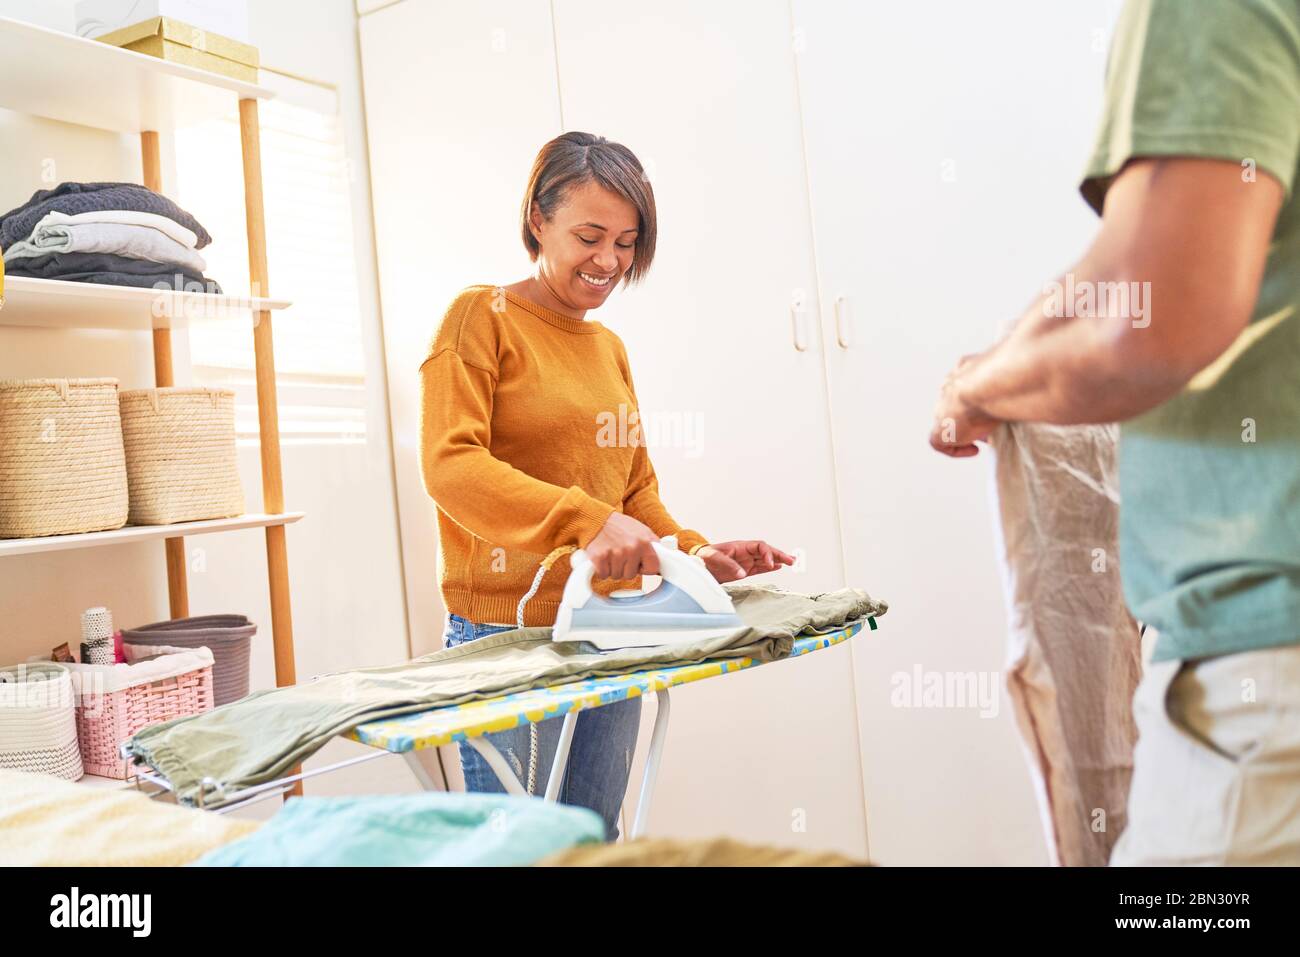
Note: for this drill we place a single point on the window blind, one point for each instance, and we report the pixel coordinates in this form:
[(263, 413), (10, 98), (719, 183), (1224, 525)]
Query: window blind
[(310, 256)]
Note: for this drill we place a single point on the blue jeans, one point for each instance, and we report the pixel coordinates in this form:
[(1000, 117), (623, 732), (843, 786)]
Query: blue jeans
[(600, 755)]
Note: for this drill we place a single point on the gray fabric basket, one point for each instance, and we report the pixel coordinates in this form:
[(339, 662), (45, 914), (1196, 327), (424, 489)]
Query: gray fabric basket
[(228, 637)]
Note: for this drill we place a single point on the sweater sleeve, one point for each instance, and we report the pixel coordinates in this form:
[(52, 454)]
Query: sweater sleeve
[(488, 497)]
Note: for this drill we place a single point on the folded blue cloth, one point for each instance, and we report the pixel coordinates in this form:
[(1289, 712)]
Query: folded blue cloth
[(73, 198), (112, 270), (412, 830)]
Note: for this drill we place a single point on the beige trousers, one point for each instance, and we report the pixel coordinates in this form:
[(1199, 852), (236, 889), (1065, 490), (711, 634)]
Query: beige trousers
[(1216, 772), (1071, 677)]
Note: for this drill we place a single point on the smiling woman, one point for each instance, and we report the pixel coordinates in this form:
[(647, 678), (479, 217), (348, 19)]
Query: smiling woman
[(516, 392)]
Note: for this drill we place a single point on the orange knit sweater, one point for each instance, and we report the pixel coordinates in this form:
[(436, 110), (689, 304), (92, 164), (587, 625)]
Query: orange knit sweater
[(522, 450)]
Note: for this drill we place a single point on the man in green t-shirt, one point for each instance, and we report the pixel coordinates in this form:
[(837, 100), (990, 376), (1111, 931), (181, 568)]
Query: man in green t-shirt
[(1180, 322)]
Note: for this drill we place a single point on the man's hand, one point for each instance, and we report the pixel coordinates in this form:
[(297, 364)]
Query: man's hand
[(958, 425)]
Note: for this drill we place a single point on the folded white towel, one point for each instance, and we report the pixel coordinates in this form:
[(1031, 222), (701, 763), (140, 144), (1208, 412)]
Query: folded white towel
[(124, 217), (91, 680), (120, 239)]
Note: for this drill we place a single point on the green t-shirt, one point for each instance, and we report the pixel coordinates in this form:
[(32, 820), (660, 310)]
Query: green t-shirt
[(1210, 481)]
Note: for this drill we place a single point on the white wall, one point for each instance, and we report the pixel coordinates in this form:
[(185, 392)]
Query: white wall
[(345, 566)]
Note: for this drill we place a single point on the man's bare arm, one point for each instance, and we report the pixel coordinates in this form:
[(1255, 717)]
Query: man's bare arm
[(1199, 236)]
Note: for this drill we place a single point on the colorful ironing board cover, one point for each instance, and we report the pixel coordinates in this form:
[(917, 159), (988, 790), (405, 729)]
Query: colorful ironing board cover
[(429, 729)]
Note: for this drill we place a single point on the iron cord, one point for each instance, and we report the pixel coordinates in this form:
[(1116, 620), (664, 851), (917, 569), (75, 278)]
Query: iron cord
[(547, 562)]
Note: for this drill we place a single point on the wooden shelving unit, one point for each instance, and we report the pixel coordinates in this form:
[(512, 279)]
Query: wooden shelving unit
[(64, 77)]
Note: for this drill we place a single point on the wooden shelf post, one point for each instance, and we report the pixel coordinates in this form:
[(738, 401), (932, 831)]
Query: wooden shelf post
[(268, 417), (277, 556), (178, 593)]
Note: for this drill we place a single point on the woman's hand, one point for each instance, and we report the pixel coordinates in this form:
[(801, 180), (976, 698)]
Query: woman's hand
[(729, 561), (621, 549)]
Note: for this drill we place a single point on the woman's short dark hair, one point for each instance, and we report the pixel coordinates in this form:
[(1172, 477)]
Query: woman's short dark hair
[(574, 159)]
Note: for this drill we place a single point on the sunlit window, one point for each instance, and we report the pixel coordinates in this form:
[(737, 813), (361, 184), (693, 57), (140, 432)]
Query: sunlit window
[(311, 258)]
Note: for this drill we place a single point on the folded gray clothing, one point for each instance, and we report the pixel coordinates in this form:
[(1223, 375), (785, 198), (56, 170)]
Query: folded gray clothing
[(118, 239), (259, 738), (107, 269), (73, 198)]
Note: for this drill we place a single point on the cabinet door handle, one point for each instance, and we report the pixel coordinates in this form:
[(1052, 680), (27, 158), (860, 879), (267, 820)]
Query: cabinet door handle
[(843, 322), (796, 321)]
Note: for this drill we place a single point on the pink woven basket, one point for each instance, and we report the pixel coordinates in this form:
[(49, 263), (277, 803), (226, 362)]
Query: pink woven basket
[(106, 719)]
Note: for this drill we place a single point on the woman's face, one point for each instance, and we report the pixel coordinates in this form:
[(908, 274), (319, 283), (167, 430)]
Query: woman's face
[(588, 245)]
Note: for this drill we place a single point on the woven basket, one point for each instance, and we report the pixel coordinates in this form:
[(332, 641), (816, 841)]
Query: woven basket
[(38, 728), (117, 701), (62, 469), (229, 637), (180, 455)]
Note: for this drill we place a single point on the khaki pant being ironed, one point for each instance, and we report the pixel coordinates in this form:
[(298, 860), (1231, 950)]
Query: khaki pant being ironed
[(1216, 777)]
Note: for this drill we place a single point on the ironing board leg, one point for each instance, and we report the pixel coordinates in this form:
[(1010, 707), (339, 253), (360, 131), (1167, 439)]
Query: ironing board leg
[(657, 739), (561, 763), (498, 765), (510, 781), (420, 771)]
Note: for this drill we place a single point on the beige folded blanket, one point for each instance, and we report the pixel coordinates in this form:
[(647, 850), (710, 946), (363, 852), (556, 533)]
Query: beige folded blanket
[(46, 821)]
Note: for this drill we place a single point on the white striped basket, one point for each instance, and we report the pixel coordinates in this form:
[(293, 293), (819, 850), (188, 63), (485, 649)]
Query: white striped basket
[(62, 469), (180, 455), (38, 724)]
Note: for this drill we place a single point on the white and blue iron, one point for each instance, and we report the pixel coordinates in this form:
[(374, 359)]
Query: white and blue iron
[(688, 606)]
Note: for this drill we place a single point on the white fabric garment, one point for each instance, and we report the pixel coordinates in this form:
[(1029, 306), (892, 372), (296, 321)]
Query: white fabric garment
[(125, 217), (118, 239), (1074, 652), (89, 681)]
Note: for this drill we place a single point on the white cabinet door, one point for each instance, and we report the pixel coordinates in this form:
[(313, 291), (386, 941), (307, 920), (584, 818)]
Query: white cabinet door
[(945, 141), (705, 95), (459, 96)]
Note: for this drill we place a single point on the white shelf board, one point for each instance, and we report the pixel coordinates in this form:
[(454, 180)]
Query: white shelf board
[(141, 533), (59, 304), (65, 77)]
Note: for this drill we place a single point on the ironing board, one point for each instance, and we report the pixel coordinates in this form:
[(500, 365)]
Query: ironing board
[(407, 734), (410, 733)]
